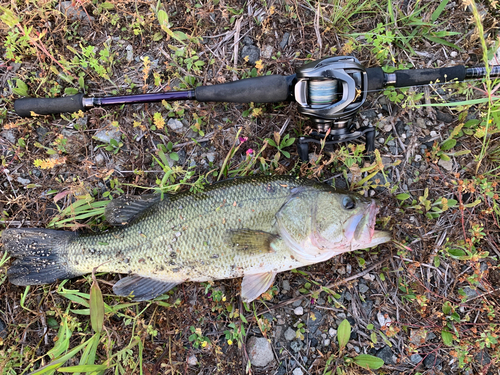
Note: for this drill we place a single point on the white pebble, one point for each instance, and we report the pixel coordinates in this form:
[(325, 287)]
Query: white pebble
[(326, 342), (418, 157), (299, 311), (192, 361), (332, 332), (298, 371)]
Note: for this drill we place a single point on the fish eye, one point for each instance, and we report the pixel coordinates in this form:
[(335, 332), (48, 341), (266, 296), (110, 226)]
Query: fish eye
[(348, 203)]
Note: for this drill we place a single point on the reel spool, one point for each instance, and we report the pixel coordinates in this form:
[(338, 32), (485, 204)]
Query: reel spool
[(331, 91)]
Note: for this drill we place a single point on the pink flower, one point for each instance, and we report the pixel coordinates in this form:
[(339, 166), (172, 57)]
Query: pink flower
[(249, 152), (243, 139)]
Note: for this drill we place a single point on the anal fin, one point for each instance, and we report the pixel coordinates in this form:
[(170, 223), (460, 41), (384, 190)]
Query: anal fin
[(254, 241), (253, 286), (142, 288)]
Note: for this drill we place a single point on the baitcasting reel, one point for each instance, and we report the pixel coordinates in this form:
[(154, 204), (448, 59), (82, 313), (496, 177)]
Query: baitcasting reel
[(331, 92)]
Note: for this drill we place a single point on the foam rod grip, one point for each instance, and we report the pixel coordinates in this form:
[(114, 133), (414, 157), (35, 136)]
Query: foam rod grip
[(415, 77), (267, 89), (26, 107)]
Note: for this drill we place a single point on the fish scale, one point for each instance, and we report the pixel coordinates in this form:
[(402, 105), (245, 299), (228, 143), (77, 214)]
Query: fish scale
[(250, 227)]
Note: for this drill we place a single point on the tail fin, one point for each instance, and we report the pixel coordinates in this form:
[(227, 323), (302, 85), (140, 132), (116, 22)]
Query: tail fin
[(41, 255)]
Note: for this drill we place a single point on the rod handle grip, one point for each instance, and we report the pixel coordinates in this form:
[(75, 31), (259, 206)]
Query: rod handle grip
[(415, 77), (266, 89), (26, 107)]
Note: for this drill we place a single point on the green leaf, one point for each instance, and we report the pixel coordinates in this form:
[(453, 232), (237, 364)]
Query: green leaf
[(83, 368), (368, 362), (439, 10), (457, 253), (162, 18), (442, 41), (180, 36), (174, 156), (446, 308), (70, 91), (448, 144), (271, 142), (403, 196), (96, 307), (107, 5), (344, 333), (373, 337), (447, 337), (21, 88)]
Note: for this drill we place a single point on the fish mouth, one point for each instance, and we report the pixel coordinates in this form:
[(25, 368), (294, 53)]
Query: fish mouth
[(360, 228)]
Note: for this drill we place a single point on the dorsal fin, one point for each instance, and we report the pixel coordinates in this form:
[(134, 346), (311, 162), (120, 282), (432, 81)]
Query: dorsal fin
[(123, 210)]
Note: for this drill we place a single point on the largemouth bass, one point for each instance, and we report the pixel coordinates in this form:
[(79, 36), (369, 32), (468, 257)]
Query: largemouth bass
[(249, 227)]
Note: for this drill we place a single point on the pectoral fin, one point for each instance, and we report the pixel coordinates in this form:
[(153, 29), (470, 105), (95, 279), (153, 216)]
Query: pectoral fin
[(253, 286), (254, 241), (142, 288), (123, 210)]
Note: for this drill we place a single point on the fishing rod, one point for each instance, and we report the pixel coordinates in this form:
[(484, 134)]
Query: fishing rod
[(330, 91)]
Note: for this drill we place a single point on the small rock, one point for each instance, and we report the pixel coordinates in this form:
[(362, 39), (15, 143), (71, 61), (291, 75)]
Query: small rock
[(175, 125), (326, 342), (391, 143), (284, 41), (386, 355), (444, 117), (431, 336), (446, 164), (416, 359), (332, 332), (431, 361), (297, 303), (418, 158), (74, 11), (250, 53), (421, 123), (192, 360), (259, 350), (290, 334), (314, 321), (211, 156), (9, 136), (381, 141), (286, 285), (41, 131), (369, 277), (363, 288), (296, 346), (267, 52), (298, 371), (341, 316), (23, 181), (348, 269), (341, 270), (107, 134), (433, 133), (99, 160), (299, 311), (453, 54), (130, 53)]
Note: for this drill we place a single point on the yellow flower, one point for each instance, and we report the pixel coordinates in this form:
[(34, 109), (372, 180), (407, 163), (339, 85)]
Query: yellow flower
[(230, 342), (204, 344)]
